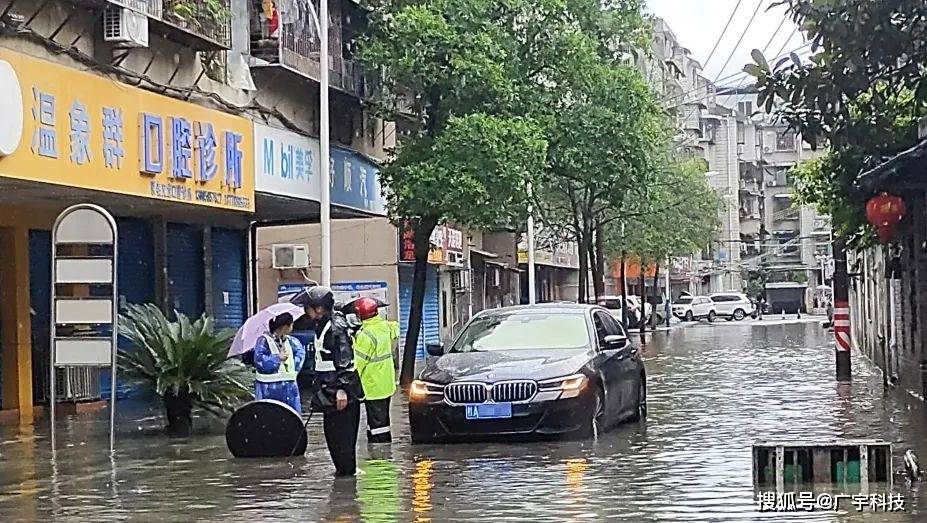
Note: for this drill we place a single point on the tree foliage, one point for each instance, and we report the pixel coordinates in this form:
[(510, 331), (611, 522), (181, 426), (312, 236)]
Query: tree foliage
[(679, 217), (862, 92)]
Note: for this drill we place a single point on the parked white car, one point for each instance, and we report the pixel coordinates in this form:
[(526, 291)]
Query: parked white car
[(690, 308), (733, 305)]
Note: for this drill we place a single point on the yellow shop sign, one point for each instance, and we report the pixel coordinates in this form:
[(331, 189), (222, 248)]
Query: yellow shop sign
[(77, 129)]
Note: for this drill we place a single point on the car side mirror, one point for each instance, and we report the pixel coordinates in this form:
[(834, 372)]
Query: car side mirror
[(615, 342), (434, 349)]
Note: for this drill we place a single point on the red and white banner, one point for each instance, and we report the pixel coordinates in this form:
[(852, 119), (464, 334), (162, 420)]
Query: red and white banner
[(842, 325)]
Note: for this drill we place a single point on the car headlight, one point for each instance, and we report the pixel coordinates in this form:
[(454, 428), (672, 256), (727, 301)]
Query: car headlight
[(420, 390), (569, 386)]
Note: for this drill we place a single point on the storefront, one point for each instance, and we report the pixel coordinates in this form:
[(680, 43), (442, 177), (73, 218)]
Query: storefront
[(446, 307), (178, 177), (286, 230)]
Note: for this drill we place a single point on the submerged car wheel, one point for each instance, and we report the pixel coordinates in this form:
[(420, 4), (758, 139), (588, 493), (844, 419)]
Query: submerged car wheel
[(641, 412), (593, 426), (739, 314), (711, 316), (689, 316)]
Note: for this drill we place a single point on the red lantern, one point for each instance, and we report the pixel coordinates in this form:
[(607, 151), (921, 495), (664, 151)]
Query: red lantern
[(884, 212)]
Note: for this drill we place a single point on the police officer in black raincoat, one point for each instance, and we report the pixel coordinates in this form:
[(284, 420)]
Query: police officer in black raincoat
[(337, 388)]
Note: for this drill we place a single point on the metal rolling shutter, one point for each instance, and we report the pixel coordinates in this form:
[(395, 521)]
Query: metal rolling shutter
[(136, 274), (185, 269), (228, 277), (430, 332), (40, 298)]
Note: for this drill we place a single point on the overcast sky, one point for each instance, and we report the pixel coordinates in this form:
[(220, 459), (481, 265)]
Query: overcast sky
[(698, 24)]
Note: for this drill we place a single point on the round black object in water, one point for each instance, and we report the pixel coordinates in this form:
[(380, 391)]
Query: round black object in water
[(265, 429)]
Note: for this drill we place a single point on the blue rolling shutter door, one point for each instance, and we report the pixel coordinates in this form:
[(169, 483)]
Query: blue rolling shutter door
[(185, 269), (136, 277), (430, 332), (228, 277), (40, 301)]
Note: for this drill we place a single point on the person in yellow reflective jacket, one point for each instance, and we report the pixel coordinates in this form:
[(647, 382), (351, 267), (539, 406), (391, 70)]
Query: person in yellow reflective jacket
[(373, 356)]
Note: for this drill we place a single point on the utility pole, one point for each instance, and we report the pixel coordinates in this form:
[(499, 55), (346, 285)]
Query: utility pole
[(842, 311), (324, 162)]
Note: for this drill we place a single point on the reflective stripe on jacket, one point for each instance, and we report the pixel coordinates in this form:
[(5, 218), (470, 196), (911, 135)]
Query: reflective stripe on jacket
[(286, 370), (373, 354)]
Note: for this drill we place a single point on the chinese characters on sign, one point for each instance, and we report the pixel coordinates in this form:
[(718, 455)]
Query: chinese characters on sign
[(91, 132), (443, 240), (809, 502), (45, 141)]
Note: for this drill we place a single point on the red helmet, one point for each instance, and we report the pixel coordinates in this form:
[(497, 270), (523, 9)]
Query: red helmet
[(365, 308)]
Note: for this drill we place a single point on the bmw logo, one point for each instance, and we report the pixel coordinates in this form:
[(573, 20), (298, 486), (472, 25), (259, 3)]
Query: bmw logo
[(11, 107)]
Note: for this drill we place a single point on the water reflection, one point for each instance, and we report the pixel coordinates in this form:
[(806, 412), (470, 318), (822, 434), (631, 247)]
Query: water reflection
[(421, 490), (713, 390)]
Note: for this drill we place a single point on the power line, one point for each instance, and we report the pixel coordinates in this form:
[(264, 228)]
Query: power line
[(756, 11), (723, 32)]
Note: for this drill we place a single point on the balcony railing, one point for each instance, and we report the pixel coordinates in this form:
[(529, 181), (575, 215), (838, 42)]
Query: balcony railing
[(295, 46), (202, 24)]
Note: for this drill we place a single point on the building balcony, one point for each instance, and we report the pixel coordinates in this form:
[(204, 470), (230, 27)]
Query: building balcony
[(295, 47), (203, 25)]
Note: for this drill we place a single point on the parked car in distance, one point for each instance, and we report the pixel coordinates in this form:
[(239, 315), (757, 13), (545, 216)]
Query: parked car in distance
[(614, 306), (733, 305), (691, 308), (545, 370)]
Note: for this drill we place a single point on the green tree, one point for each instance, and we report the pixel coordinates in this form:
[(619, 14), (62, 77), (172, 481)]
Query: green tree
[(862, 93), (675, 214), (450, 78)]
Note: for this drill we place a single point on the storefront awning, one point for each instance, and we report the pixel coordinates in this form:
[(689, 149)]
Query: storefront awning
[(485, 254)]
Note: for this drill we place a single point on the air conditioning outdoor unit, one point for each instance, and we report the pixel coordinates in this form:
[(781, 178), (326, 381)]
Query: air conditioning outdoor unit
[(124, 26), (771, 183), (288, 256)]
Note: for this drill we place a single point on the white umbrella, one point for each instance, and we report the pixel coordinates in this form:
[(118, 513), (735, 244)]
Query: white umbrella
[(256, 326)]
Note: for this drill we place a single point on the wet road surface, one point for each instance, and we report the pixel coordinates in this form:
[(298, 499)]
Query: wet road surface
[(713, 390)]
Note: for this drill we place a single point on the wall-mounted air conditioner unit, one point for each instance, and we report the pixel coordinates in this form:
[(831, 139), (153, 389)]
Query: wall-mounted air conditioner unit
[(124, 26), (288, 256)]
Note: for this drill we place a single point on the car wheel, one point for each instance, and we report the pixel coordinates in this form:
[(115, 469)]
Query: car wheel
[(711, 316), (689, 316), (593, 425), (739, 314), (641, 411)]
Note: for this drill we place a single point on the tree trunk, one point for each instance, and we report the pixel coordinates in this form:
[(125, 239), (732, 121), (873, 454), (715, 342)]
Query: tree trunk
[(594, 263), (600, 260), (624, 290), (423, 230), (583, 268), (643, 283), (179, 409), (656, 295)]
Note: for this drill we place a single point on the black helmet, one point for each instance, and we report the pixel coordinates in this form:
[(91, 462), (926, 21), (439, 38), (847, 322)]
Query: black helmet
[(318, 296)]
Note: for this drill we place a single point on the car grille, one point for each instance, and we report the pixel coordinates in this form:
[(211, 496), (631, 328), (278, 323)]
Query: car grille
[(512, 391), (507, 391), (465, 393)]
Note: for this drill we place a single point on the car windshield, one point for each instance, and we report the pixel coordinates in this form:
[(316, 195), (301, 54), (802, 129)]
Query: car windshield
[(534, 330), (684, 300)]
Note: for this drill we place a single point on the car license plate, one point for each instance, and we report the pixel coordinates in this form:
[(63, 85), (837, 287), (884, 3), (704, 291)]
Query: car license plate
[(489, 411)]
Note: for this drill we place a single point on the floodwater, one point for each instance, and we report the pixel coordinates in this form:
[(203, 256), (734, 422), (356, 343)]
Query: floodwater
[(713, 389)]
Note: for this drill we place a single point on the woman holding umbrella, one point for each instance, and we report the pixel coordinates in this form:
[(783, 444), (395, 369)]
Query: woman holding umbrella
[(278, 358)]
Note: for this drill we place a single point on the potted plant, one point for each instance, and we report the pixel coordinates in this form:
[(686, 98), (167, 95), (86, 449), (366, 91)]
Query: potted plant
[(184, 362)]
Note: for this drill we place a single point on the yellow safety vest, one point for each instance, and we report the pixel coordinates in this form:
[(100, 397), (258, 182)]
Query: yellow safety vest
[(287, 369), (373, 355)]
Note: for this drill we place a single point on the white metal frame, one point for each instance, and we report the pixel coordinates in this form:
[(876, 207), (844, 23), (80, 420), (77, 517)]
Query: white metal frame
[(114, 302)]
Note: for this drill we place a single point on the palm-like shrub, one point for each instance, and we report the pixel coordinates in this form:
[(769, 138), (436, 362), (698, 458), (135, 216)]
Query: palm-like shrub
[(184, 362)]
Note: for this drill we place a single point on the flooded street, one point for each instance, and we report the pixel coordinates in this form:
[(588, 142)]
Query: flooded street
[(713, 390)]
